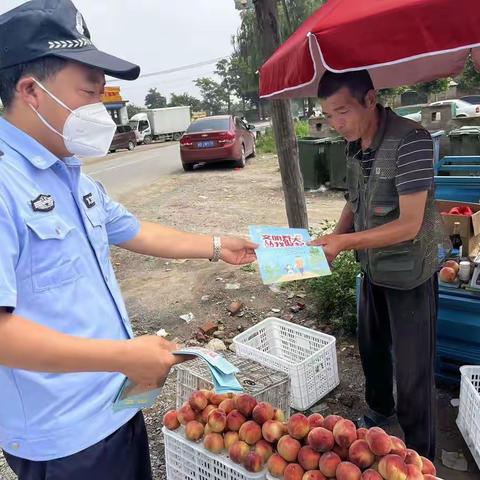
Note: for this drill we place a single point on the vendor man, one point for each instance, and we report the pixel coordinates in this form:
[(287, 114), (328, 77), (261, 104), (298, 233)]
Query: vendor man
[(66, 343), (391, 221)]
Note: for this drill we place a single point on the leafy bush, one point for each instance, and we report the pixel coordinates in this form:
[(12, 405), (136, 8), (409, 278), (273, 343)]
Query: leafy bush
[(266, 142), (302, 129), (334, 296)]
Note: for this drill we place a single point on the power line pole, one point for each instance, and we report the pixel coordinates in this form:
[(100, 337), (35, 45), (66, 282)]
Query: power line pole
[(266, 13)]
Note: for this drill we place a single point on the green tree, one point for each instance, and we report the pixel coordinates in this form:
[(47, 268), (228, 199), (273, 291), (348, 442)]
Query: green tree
[(133, 109), (434, 87), (214, 97), (469, 81), (185, 100), (154, 99)]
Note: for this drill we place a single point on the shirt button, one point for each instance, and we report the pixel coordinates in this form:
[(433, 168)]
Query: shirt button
[(14, 446)]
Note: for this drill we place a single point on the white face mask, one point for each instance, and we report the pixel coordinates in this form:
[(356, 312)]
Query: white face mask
[(88, 130)]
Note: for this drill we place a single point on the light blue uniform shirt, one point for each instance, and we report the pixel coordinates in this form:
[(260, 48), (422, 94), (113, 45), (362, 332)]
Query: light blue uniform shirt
[(56, 225)]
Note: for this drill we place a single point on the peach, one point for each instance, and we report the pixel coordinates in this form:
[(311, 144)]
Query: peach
[(217, 398), (262, 412), (214, 442), (362, 433), (308, 458), (170, 420), (245, 404), (314, 475), (276, 465), (278, 415), (298, 426), (186, 414), (452, 264), (198, 401), (348, 471), (315, 420), (371, 475), (379, 441), (293, 471), (328, 464), (447, 274), (360, 454), (392, 467), (288, 448), (398, 447), (229, 439), (413, 458), (344, 433), (194, 430), (250, 432), (207, 429), (330, 421), (238, 452), (427, 476), (253, 462), (321, 439), (264, 449), (206, 412), (207, 393), (272, 431), (227, 405), (428, 466), (414, 473), (342, 452), (235, 420), (217, 420)]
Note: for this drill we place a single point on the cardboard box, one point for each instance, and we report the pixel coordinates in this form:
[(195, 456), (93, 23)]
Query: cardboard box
[(469, 226)]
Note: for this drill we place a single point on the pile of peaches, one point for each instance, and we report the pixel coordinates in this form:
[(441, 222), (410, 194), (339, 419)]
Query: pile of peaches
[(255, 435)]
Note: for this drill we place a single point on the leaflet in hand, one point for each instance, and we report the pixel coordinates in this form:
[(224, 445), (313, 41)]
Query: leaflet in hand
[(284, 255)]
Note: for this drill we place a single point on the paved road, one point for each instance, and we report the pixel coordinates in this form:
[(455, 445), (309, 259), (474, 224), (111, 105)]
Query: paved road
[(125, 171)]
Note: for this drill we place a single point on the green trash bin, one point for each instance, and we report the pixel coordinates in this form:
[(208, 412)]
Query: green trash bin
[(312, 162), (335, 158), (465, 141)]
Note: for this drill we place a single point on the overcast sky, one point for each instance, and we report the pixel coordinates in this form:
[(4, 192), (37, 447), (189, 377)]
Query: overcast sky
[(159, 35)]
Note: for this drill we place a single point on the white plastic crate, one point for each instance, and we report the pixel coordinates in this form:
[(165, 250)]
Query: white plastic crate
[(307, 356), (186, 460), (468, 419), (264, 383)]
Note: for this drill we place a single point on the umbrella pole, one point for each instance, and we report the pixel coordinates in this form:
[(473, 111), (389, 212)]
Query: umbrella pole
[(292, 181)]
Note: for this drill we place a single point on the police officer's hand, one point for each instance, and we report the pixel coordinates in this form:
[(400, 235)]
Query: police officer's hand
[(332, 245), (238, 251), (148, 360)]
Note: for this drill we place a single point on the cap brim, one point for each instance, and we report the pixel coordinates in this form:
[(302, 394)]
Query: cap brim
[(113, 66)]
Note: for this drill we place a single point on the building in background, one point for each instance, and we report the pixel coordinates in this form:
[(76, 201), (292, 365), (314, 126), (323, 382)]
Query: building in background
[(116, 105)]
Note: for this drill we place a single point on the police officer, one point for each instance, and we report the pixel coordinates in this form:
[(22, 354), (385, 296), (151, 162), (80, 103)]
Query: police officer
[(66, 343), (391, 221)]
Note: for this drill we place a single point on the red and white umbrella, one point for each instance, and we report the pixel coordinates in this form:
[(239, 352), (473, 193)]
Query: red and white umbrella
[(400, 42)]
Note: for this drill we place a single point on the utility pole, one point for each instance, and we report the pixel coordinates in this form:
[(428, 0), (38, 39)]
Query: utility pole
[(266, 13)]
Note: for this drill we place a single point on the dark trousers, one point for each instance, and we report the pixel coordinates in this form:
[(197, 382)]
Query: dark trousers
[(397, 333), (124, 455)]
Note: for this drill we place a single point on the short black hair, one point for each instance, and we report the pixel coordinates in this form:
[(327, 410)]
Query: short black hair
[(41, 69), (359, 83)]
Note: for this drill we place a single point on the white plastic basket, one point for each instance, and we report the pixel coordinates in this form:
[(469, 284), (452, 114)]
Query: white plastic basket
[(468, 419), (265, 384), (309, 357), (186, 460)]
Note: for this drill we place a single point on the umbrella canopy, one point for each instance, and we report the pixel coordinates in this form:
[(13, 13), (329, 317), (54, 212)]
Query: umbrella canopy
[(400, 42)]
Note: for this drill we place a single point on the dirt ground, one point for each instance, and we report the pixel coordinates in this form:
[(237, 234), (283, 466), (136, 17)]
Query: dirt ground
[(225, 201)]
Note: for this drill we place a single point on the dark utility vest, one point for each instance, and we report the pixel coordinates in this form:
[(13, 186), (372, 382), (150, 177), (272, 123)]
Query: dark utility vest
[(375, 202)]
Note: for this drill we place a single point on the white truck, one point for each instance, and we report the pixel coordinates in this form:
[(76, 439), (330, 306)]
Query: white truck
[(160, 124)]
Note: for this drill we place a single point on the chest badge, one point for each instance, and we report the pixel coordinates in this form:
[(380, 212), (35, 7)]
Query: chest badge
[(88, 200), (377, 171), (43, 203)]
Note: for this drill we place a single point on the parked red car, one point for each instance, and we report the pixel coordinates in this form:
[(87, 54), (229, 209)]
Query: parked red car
[(216, 139)]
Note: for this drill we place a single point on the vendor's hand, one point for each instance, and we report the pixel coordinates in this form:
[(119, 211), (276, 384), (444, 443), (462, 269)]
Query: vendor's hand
[(238, 251), (148, 359), (332, 245)]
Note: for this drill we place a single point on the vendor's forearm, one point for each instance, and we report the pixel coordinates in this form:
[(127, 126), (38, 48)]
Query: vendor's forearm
[(389, 234), (159, 241), (29, 346), (345, 223)]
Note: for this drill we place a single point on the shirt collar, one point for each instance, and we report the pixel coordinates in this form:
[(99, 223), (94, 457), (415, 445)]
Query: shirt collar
[(29, 148)]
